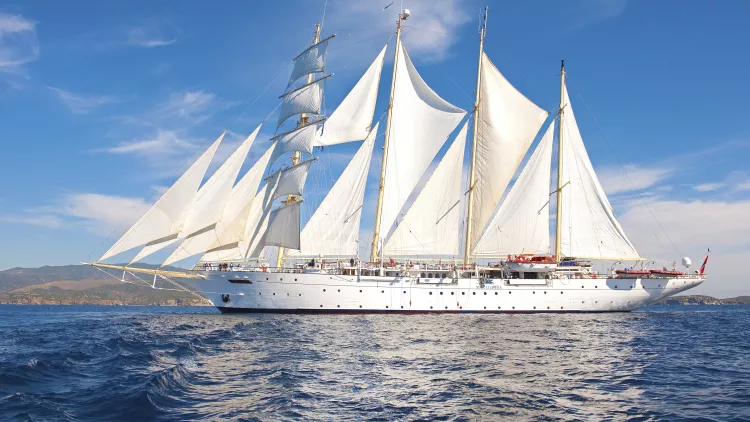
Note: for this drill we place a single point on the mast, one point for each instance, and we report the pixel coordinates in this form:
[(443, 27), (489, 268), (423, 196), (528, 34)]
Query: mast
[(558, 222), (470, 199), (375, 250), (303, 120)]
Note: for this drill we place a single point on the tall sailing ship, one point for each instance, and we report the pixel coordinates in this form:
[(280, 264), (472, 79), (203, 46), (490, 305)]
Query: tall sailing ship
[(499, 259)]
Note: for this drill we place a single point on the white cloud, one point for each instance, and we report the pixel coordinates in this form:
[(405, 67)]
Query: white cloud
[(157, 148), (97, 213), (743, 186), (82, 103), (18, 42), (431, 28), (587, 12), (708, 187), (193, 106), (631, 177), (695, 226), (148, 36)]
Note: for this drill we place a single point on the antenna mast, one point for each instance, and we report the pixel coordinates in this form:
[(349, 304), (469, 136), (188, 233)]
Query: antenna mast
[(470, 199), (375, 250)]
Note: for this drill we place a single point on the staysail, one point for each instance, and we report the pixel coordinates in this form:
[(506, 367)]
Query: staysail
[(352, 119), (520, 223), (507, 124), (165, 218), (431, 225), (421, 123), (589, 228), (333, 230), (210, 200), (230, 227)]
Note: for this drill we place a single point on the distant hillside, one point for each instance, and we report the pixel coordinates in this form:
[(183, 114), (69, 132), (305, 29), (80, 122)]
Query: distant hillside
[(704, 300), (82, 284)]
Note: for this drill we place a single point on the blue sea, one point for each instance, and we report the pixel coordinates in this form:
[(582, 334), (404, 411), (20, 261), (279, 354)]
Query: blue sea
[(159, 363)]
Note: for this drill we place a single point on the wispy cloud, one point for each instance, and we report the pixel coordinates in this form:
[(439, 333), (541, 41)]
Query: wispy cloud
[(631, 177), (150, 36), (82, 103), (156, 148), (18, 42), (96, 213), (194, 106), (708, 187), (587, 12)]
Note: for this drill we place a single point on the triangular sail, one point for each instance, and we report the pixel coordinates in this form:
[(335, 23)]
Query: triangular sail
[(166, 217), (431, 225), (352, 119), (333, 230), (210, 200), (507, 124), (589, 228), (421, 123), (521, 221), (230, 228)]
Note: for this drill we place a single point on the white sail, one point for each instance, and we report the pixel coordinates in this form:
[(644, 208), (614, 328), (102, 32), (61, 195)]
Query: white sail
[(300, 139), (333, 230), (507, 124), (420, 124), (166, 217), (352, 119), (283, 227), (230, 228), (305, 99), (291, 180), (312, 60), (210, 201), (521, 221), (431, 225), (589, 228)]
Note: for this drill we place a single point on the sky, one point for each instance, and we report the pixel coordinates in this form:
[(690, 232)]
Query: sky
[(102, 104)]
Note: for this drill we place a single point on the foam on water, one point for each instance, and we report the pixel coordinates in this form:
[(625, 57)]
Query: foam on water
[(144, 363)]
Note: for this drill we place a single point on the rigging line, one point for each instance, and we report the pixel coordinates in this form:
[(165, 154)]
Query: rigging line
[(622, 167), (446, 73), (323, 19), (261, 94)]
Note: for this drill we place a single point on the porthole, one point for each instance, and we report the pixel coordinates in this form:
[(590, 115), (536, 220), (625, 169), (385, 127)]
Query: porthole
[(451, 293), (260, 294), (360, 306), (402, 306), (533, 292), (463, 293), (583, 301), (498, 307), (460, 307), (338, 306), (561, 292), (386, 306), (321, 306), (548, 307), (581, 286), (266, 278), (474, 293), (561, 307), (615, 286), (446, 307), (382, 291), (514, 307), (485, 307), (274, 294), (485, 293), (495, 293), (534, 307), (421, 275), (360, 291), (510, 292), (430, 307), (404, 291), (596, 287), (545, 292), (295, 279), (287, 294), (339, 290), (596, 301), (300, 294), (430, 293), (441, 293), (324, 290), (281, 279)]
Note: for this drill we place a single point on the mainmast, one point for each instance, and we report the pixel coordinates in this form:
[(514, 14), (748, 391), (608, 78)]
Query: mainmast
[(303, 120), (375, 250), (558, 219), (470, 199)]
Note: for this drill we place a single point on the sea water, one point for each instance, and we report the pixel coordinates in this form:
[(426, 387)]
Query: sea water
[(160, 363)]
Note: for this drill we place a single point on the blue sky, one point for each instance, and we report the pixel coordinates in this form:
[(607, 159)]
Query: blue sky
[(101, 103)]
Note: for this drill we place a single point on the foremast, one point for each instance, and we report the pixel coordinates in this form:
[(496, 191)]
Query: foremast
[(303, 120), (375, 249), (558, 215), (470, 198)]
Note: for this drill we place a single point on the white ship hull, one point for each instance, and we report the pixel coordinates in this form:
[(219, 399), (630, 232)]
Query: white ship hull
[(256, 291)]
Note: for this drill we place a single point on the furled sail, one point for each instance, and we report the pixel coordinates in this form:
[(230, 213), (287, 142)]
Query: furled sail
[(230, 228), (333, 230), (312, 60), (352, 119), (589, 228), (165, 218), (421, 123), (283, 227), (210, 200), (431, 225), (507, 124), (521, 221), (300, 139), (291, 180), (305, 99)]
